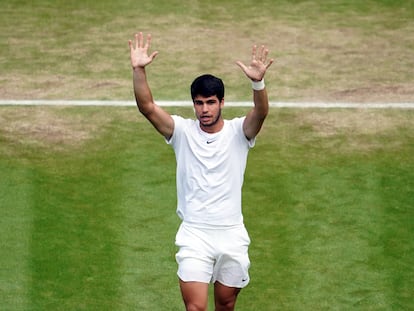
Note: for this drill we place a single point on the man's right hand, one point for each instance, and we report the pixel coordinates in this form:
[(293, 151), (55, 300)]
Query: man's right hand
[(139, 51)]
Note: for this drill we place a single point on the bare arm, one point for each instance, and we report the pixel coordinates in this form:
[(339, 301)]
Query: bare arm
[(256, 71), (159, 118)]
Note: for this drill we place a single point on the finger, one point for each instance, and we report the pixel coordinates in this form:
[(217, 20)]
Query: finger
[(154, 54), (140, 41), (136, 41), (270, 62), (265, 53), (148, 43), (261, 57), (254, 49), (242, 66)]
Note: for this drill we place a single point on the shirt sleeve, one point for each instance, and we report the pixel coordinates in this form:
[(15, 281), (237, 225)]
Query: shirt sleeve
[(239, 128), (178, 121)]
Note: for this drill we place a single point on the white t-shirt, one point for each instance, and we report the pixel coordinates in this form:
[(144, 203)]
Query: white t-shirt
[(210, 171)]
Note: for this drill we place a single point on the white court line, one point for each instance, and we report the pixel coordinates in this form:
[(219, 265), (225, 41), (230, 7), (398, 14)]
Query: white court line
[(189, 103)]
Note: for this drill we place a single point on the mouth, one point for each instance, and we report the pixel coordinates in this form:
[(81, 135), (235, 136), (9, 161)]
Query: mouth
[(205, 118)]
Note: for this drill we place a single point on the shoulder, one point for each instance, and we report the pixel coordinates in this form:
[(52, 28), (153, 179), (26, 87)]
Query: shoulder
[(236, 123), (180, 122), (181, 127), (236, 126)]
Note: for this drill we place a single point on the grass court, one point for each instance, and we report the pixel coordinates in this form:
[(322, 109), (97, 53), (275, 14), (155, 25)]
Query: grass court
[(87, 194)]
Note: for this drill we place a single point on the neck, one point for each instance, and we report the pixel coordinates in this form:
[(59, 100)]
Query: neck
[(214, 127)]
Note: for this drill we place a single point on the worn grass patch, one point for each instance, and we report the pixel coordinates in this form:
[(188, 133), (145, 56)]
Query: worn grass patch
[(45, 128), (325, 51)]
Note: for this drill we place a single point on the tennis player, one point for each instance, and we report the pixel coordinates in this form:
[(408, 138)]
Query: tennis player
[(211, 155)]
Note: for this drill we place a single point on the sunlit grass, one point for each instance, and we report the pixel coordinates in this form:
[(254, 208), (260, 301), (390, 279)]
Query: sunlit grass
[(328, 202), (324, 50)]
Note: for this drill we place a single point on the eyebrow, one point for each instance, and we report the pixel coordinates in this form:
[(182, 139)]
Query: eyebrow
[(210, 101)]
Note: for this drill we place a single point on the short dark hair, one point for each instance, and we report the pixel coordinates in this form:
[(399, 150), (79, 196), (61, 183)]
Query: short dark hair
[(207, 85)]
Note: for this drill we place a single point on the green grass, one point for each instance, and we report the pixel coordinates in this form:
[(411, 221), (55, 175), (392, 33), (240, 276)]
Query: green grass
[(325, 50), (89, 218), (87, 194)]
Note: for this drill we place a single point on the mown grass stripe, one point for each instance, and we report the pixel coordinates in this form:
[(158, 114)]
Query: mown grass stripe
[(395, 105), (15, 227)]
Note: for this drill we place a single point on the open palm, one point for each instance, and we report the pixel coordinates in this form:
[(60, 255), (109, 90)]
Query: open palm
[(258, 65), (139, 51)]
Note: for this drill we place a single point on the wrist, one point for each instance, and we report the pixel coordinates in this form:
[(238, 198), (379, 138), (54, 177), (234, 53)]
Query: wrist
[(137, 67), (258, 85)]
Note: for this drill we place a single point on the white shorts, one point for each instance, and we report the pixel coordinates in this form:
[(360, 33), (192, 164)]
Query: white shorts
[(210, 255)]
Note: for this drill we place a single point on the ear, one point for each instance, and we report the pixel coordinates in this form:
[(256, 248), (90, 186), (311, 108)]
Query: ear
[(222, 103)]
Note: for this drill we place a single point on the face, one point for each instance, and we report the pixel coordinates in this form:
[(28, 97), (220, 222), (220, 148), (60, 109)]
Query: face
[(208, 112)]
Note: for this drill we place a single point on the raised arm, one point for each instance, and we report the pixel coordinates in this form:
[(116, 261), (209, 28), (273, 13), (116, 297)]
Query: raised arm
[(256, 72), (159, 118)]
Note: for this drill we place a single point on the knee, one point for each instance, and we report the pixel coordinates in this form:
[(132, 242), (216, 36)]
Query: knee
[(194, 307), (225, 297), (225, 305)]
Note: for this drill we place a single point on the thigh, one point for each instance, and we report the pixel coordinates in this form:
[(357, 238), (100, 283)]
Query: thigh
[(225, 297), (195, 295)]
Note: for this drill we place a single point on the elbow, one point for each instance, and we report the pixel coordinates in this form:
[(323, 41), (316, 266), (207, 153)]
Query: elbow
[(145, 108), (266, 112), (142, 109)]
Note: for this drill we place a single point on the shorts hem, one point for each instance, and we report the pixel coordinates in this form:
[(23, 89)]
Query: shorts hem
[(184, 279)]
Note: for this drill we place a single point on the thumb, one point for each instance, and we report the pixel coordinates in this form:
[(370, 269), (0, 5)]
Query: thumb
[(241, 65), (244, 68), (154, 54)]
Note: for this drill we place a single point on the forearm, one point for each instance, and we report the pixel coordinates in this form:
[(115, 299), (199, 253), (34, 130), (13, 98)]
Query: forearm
[(255, 118), (261, 102), (142, 91)]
